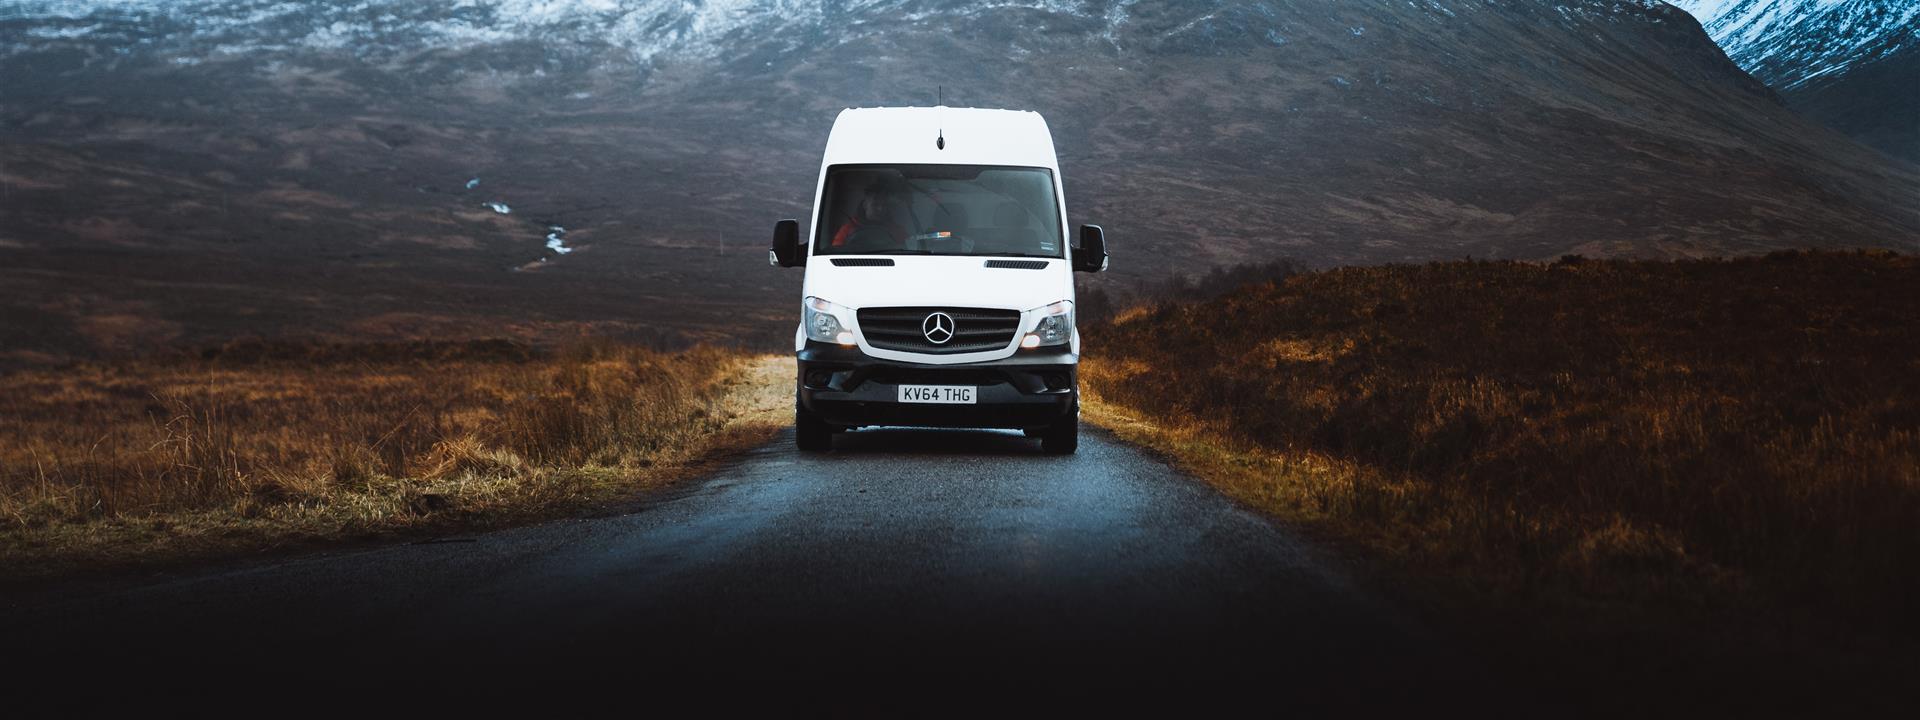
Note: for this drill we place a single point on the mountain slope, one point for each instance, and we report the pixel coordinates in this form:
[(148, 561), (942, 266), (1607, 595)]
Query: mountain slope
[(1852, 64), (187, 172)]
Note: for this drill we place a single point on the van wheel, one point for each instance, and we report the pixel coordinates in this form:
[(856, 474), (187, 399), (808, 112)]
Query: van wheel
[(1063, 437), (810, 433)]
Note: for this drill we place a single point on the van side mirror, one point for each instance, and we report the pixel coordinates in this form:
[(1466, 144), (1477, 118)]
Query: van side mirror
[(1090, 255), (786, 251)]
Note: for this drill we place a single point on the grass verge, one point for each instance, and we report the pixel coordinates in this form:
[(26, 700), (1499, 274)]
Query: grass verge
[(1718, 453), (156, 462)]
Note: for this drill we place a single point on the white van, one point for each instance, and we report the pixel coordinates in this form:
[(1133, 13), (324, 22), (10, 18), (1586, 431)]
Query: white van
[(939, 288)]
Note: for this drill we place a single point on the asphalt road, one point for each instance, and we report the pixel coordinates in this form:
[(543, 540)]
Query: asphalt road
[(907, 564)]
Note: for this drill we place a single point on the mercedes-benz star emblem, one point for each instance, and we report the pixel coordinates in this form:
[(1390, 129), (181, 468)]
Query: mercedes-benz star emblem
[(938, 328)]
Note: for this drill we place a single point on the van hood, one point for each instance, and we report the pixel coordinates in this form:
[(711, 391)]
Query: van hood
[(926, 281)]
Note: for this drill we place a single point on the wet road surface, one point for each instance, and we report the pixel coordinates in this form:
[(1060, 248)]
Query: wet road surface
[(906, 565)]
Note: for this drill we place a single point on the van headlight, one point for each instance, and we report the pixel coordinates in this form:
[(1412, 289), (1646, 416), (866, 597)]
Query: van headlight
[(822, 321), (1055, 326)]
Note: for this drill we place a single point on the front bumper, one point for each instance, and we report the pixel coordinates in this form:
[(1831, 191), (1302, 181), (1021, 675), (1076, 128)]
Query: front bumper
[(846, 387)]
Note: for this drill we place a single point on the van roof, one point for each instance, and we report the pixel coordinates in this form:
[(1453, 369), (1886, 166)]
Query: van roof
[(974, 136)]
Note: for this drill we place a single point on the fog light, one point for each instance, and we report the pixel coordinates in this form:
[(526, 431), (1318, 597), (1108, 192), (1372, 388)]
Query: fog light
[(844, 338), (819, 378), (1030, 341)]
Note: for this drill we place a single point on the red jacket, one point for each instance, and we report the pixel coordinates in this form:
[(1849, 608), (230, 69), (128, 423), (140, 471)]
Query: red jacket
[(853, 224)]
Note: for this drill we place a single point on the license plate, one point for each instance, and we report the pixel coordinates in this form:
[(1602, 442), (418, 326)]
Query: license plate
[(940, 394)]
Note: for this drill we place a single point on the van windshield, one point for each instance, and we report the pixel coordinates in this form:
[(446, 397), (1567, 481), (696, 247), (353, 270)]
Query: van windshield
[(938, 210)]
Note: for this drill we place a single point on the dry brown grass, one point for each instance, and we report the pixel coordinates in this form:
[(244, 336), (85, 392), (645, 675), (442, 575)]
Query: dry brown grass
[(255, 449), (1698, 435)]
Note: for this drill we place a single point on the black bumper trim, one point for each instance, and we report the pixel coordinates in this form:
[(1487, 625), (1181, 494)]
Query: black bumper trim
[(1033, 388)]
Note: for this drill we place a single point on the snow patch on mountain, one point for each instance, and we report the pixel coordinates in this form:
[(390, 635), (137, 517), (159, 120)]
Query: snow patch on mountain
[(557, 240)]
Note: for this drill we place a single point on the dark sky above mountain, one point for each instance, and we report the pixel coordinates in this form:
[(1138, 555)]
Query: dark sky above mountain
[(184, 172)]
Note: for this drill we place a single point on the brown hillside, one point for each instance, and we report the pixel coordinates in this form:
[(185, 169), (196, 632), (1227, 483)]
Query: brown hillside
[(167, 179)]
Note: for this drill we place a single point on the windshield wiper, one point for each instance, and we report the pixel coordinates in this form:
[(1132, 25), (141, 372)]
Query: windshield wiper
[(910, 251), (953, 254)]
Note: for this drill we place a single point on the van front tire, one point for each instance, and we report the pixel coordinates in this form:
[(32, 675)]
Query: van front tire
[(1062, 438), (810, 433)]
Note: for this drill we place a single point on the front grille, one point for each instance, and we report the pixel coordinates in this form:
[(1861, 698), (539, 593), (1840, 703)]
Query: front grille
[(974, 329)]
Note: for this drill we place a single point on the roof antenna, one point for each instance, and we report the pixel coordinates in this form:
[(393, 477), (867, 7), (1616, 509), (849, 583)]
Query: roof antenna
[(940, 101)]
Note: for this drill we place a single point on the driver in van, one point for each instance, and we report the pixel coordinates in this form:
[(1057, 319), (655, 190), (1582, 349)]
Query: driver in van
[(874, 216)]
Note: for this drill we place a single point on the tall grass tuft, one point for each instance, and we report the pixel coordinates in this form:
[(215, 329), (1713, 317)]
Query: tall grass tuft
[(326, 439)]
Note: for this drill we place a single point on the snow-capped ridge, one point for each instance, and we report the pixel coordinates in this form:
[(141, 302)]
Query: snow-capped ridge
[(1787, 43), (642, 29)]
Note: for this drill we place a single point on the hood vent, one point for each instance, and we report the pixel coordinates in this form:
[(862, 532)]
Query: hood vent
[(863, 262), (1018, 264)]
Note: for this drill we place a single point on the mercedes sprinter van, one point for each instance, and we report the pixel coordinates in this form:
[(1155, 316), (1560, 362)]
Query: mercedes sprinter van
[(939, 278)]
